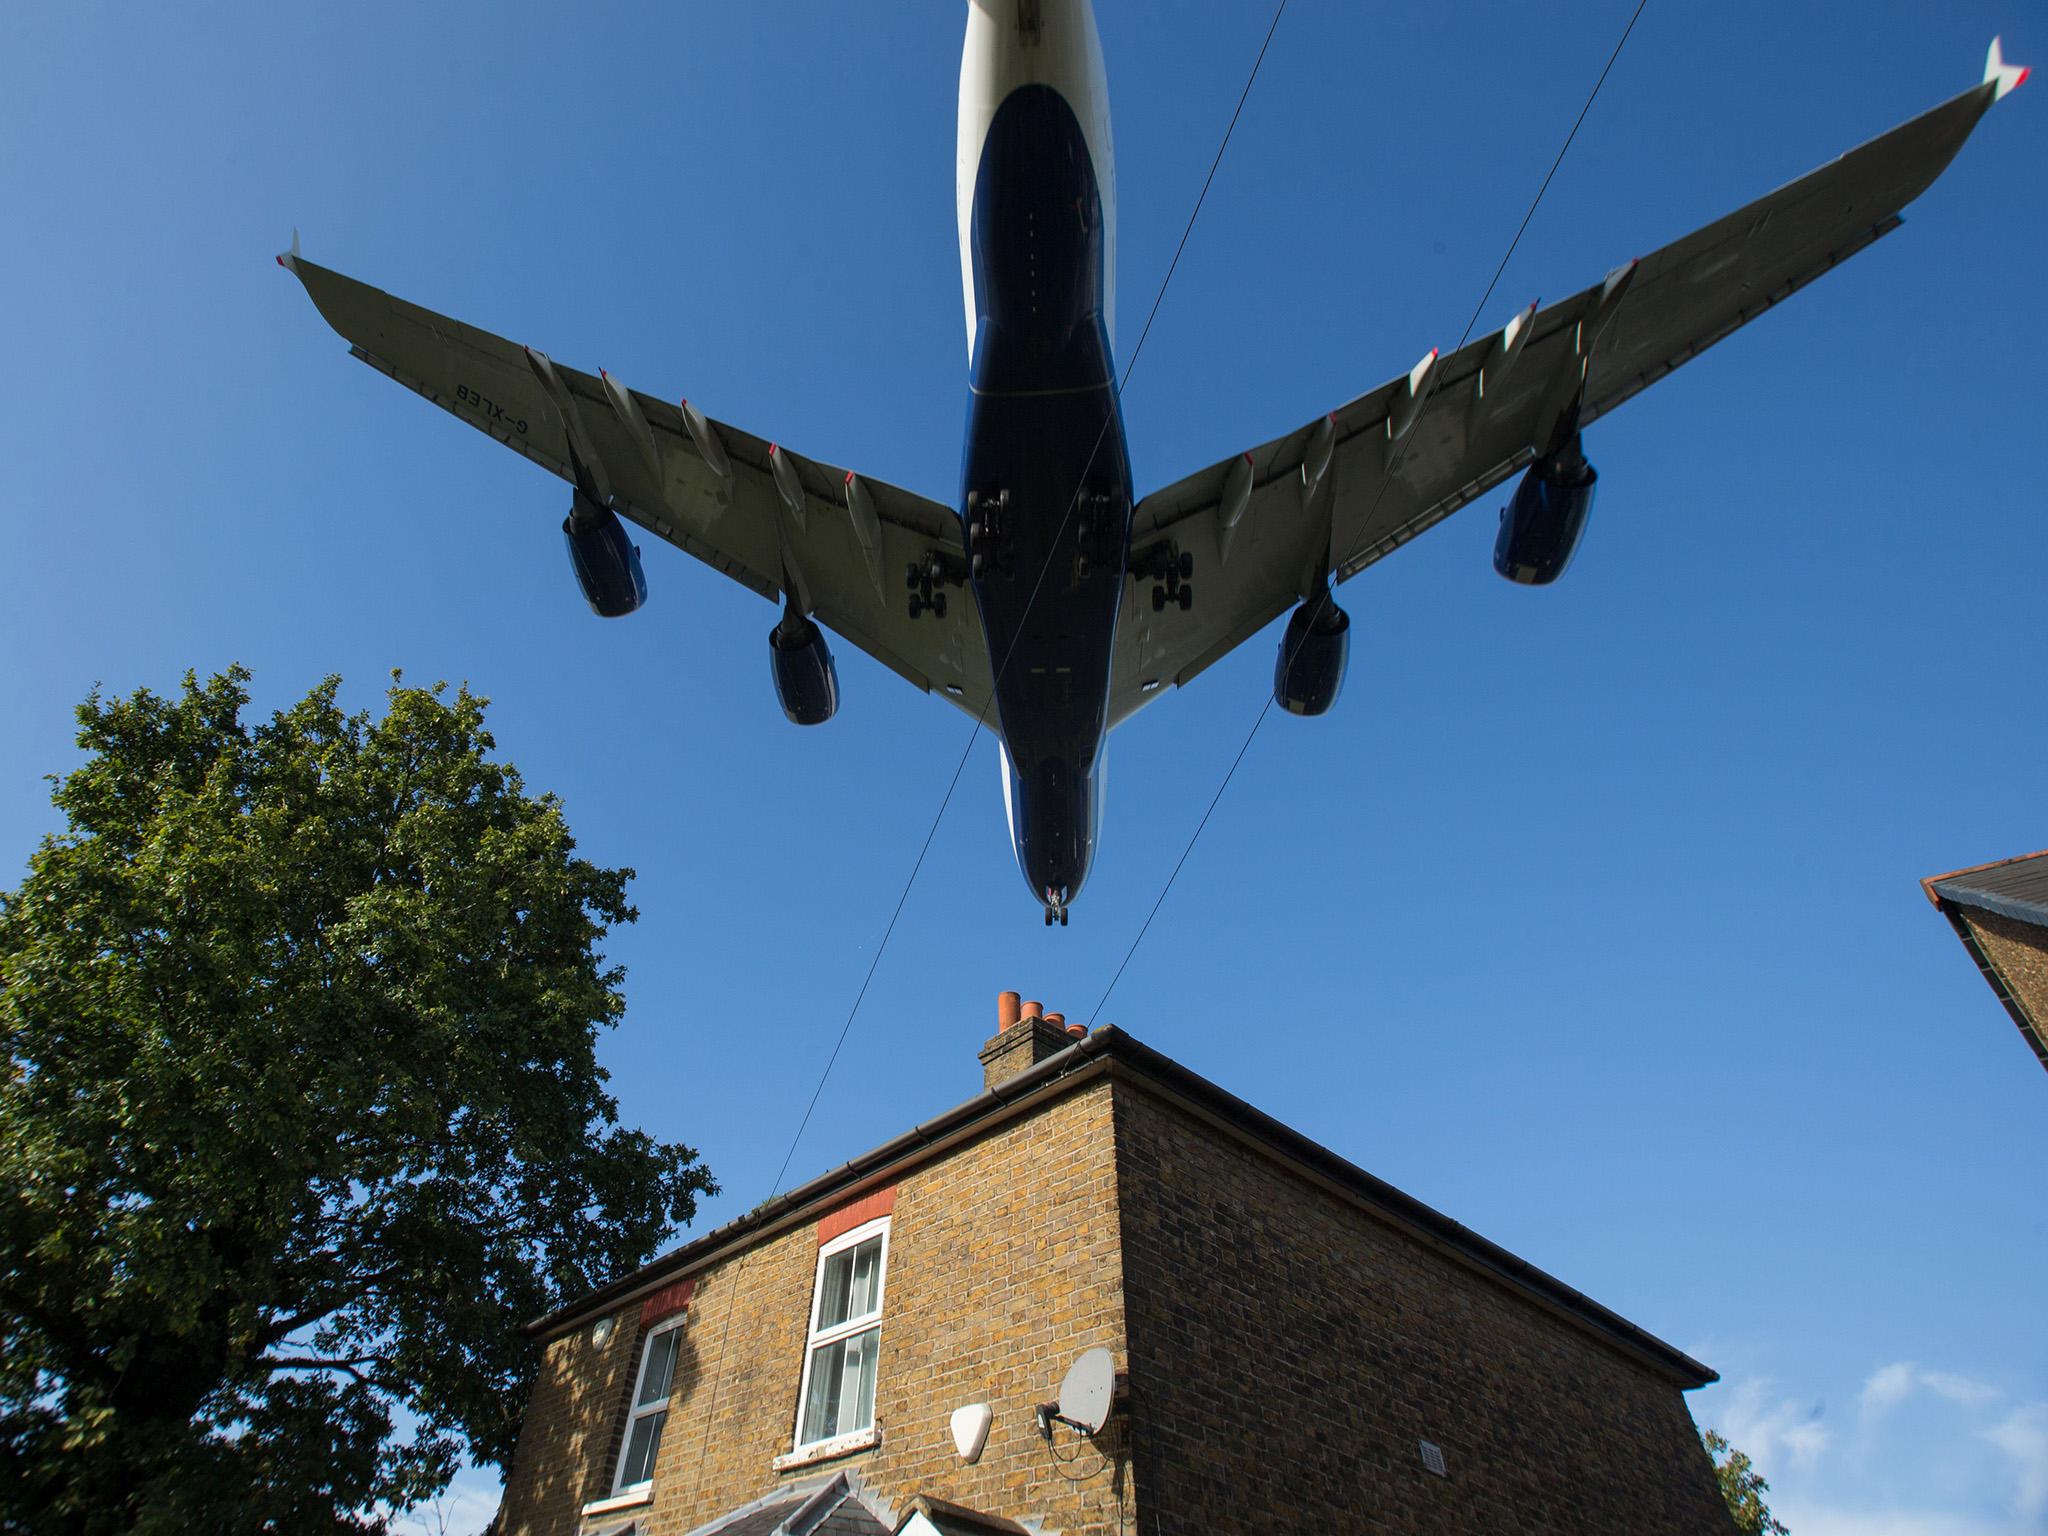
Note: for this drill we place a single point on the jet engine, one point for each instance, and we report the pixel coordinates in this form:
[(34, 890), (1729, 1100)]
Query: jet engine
[(1310, 669), (607, 562), (1540, 527), (806, 679)]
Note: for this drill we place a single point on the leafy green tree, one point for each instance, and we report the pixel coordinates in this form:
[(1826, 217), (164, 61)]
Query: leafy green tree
[(300, 1114), (1743, 1487)]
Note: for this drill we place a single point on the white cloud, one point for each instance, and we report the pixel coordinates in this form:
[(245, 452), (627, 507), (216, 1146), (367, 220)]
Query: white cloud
[(1764, 1428), (1887, 1387), (1824, 1520), (2023, 1435), (1958, 1389), (1957, 1464), (1890, 1385)]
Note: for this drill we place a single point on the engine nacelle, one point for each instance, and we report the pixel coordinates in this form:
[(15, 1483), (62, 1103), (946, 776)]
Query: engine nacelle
[(1310, 669), (806, 679), (607, 562), (1541, 526)]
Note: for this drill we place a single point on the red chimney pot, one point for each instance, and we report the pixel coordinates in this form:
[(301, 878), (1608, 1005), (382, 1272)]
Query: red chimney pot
[(1056, 1020), (1034, 1010)]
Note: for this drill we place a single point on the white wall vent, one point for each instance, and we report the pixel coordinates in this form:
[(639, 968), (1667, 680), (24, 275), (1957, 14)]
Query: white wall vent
[(1432, 1456)]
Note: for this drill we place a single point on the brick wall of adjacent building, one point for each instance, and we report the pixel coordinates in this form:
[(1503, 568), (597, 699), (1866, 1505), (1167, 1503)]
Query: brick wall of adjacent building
[(1003, 1263), (2019, 952), (568, 1443), (1288, 1351)]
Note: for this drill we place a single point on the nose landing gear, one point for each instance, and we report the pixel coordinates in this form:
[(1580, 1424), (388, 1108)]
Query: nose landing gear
[(1055, 907)]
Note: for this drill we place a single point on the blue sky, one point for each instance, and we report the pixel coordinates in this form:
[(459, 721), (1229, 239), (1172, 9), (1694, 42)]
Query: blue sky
[(1590, 916)]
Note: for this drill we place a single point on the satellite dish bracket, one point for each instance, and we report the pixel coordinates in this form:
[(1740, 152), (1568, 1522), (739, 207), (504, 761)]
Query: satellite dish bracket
[(1049, 1414)]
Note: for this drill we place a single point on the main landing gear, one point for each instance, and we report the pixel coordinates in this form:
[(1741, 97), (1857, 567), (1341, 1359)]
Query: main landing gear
[(927, 582), (1169, 568)]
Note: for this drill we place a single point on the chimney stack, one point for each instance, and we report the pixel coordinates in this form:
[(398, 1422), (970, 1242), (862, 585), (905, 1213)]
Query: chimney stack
[(1025, 1035)]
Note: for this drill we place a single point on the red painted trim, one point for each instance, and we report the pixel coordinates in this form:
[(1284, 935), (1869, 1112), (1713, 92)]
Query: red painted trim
[(667, 1301), (847, 1217)]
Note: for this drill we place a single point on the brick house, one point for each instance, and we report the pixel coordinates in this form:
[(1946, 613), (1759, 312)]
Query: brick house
[(2000, 912), (1299, 1345)]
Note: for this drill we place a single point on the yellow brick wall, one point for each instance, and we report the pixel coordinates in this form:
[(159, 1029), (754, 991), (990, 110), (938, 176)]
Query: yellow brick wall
[(568, 1444), (1003, 1265), (1288, 1352)]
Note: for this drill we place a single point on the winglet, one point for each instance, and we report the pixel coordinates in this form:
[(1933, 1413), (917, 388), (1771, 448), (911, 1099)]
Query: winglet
[(289, 260), (2001, 76)]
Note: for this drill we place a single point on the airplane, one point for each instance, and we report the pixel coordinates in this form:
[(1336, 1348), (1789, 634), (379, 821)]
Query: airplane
[(1048, 600)]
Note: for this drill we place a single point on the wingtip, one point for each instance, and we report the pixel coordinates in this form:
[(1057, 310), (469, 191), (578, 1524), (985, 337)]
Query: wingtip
[(2003, 78), (289, 260)]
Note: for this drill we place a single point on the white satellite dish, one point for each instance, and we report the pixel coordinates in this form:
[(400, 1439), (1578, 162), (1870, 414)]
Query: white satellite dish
[(1089, 1391)]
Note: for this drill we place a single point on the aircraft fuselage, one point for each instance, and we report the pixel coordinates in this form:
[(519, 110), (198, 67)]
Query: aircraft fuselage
[(1045, 487)]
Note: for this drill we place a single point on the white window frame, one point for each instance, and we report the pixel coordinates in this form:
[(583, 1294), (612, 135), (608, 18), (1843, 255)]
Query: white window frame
[(636, 1410), (816, 1337)]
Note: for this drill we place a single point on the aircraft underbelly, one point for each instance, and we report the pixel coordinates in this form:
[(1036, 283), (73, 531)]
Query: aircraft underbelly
[(1045, 478)]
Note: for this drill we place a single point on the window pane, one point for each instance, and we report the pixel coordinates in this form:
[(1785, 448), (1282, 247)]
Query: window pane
[(821, 1414), (867, 1270), (860, 1411), (842, 1387), (833, 1293), (641, 1444), (847, 1288), (661, 1365)]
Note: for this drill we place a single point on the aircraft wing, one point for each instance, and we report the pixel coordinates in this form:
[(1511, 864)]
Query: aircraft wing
[(1340, 493), (707, 488)]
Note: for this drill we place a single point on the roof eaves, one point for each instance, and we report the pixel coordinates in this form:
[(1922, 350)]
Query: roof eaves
[(1048, 1077), (870, 1165), (2018, 908), (1977, 869), (1518, 1272)]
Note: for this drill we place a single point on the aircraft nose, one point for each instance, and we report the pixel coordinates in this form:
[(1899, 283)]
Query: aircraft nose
[(1052, 824)]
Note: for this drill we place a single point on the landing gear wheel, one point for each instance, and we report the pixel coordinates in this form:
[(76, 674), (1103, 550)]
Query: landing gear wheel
[(1063, 917), (1048, 917), (1187, 565), (1159, 599), (1187, 598), (916, 605), (938, 604)]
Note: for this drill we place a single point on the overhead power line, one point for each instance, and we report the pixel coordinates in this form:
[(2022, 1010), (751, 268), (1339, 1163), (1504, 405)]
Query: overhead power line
[(974, 732), (1324, 597)]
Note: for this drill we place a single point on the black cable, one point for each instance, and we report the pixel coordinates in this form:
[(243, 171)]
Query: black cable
[(1394, 464), (981, 718)]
